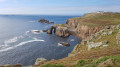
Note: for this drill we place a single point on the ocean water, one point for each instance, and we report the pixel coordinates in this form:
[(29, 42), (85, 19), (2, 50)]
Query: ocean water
[(19, 45)]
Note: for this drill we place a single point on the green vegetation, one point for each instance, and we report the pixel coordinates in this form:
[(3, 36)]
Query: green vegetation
[(95, 19), (108, 61), (62, 25), (105, 55), (111, 38), (53, 65)]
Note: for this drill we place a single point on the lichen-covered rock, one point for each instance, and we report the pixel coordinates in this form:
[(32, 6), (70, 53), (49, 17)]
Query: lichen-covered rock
[(94, 45), (105, 42), (40, 61), (107, 33), (107, 27), (118, 38), (83, 42), (118, 26), (110, 32)]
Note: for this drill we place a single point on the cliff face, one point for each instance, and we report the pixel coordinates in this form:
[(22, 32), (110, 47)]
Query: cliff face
[(92, 22), (82, 31)]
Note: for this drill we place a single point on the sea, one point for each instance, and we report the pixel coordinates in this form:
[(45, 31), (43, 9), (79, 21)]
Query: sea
[(19, 44)]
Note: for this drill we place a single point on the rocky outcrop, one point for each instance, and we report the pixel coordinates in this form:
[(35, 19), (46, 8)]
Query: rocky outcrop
[(59, 30), (83, 31), (40, 61), (118, 37), (44, 21)]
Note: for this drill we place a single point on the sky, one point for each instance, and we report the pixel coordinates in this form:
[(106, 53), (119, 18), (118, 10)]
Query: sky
[(57, 7)]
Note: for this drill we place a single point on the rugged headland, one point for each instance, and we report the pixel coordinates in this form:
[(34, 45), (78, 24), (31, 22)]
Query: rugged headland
[(100, 46)]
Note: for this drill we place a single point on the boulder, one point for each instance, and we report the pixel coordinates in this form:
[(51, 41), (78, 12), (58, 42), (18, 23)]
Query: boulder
[(62, 31), (107, 27), (106, 42), (65, 44), (40, 61), (118, 26), (83, 42), (118, 38), (44, 30)]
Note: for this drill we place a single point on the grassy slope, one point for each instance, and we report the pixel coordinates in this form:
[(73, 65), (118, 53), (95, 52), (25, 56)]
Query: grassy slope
[(95, 19), (91, 58)]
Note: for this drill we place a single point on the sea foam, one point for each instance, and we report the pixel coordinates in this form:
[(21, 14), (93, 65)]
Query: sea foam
[(20, 44), (7, 44)]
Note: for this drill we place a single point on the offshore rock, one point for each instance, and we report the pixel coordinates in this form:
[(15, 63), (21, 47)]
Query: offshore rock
[(44, 21)]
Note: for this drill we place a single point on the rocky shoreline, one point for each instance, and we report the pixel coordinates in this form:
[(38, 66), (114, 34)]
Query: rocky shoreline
[(91, 34)]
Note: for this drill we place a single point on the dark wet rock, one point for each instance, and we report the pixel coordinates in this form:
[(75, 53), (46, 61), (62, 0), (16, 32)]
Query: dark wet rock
[(51, 29), (36, 31), (44, 30), (65, 44), (44, 21)]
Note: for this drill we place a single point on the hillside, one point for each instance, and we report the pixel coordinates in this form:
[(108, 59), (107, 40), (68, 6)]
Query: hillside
[(100, 46), (91, 23), (103, 18)]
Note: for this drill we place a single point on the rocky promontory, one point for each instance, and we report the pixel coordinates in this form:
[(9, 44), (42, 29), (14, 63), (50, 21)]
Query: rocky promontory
[(100, 46)]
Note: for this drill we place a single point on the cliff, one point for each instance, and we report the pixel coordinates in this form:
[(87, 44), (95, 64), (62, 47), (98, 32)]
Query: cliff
[(83, 27), (100, 34), (91, 23)]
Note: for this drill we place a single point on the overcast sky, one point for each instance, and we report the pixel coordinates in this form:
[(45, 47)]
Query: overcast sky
[(57, 7)]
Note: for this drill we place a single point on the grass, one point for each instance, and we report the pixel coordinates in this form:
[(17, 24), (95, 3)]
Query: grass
[(92, 62), (53, 65), (96, 62), (62, 25), (111, 38), (96, 19), (85, 58)]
